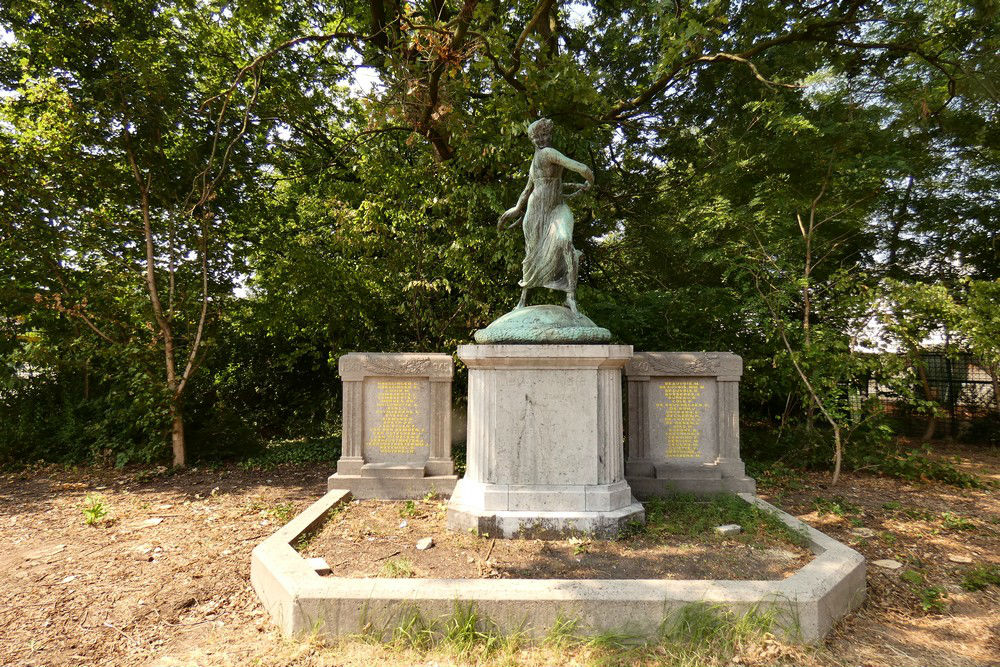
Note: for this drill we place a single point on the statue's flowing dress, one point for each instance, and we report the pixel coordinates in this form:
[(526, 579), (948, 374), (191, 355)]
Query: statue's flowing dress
[(548, 225)]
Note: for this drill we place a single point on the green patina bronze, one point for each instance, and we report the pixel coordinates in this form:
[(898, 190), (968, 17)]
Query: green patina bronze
[(542, 324), (550, 260)]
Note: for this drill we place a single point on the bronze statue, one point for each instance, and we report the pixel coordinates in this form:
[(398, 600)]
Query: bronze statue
[(550, 260)]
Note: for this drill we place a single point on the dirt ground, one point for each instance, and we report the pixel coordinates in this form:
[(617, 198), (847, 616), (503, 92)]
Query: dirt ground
[(163, 580), (372, 538)]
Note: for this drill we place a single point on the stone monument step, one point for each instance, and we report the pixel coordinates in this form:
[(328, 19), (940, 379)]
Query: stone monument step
[(407, 470)]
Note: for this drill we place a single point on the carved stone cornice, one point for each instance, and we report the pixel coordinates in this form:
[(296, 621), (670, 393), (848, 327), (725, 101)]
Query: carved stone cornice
[(356, 366), (684, 364)]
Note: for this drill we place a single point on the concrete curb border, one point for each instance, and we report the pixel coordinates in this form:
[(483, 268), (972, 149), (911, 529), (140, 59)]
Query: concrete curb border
[(298, 600)]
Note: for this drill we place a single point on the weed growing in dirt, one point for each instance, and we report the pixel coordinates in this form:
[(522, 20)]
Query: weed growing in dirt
[(563, 631), (776, 476), (932, 598), (687, 514), (94, 509), (892, 505), (282, 513), (918, 465), (408, 510), (836, 506), (466, 634), (304, 540), (980, 577), (955, 522), (580, 545), (397, 568), (919, 513)]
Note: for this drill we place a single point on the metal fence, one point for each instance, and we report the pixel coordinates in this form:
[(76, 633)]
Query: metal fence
[(963, 391)]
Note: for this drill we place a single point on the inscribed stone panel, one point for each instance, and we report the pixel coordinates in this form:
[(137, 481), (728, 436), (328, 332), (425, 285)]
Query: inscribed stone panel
[(397, 420), (683, 426)]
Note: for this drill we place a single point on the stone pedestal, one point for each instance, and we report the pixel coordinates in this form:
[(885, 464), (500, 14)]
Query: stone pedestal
[(683, 424), (396, 440), (545, 455)]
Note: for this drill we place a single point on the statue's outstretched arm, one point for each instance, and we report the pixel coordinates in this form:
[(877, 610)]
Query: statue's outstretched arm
[(568, 163), (518, 210)]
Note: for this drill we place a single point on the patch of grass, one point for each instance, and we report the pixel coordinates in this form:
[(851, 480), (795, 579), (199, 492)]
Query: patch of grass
[(563, 632), (466, 633), (687, 514), (776, 476), (836, 506), (919, 465), (705, 624), (932, 599), (919, 513), (981, 576), (95, 509), (954, 522), (282, 513), (296, 452), (397, 568), (693, 636), (611, 640), (892, 505), (413, 632)]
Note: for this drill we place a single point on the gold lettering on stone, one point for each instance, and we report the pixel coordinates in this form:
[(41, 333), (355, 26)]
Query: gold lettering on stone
[(397, 431), (682, 411)]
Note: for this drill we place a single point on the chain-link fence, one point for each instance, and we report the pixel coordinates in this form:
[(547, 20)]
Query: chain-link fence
[(963, 392)]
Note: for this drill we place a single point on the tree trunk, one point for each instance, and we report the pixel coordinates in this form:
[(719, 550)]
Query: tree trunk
[(838, 453), (177, 434)]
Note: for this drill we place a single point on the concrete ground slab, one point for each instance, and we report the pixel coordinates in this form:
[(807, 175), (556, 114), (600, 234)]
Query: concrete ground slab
[(299, 600)]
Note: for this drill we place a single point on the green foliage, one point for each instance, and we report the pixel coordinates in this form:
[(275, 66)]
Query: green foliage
[(920, 465), (408, 510), (933, 599), (952, 521), (981, 576), (297, 452), (95, 509), (397, 568), (836, 506), (282, 513), (686, 514)]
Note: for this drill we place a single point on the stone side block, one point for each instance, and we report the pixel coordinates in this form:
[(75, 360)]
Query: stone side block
[(683, 423), (397, 425)]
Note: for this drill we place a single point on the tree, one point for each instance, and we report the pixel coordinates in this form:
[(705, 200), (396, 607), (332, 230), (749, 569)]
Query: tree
[(126, 96)]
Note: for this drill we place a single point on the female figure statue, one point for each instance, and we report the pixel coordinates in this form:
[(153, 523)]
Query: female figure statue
[(550, 260)]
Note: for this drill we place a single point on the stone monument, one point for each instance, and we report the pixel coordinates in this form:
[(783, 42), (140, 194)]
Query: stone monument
[(544, 449), (683, 423), (396, 440)]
